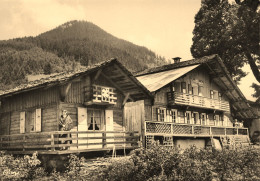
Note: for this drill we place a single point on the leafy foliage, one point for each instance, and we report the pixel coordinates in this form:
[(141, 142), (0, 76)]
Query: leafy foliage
[(160, 163), (231, 31), (18, 60), (65, 48), (257, 92), (20, 168)]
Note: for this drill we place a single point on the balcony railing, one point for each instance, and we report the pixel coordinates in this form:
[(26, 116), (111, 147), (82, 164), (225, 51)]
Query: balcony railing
[(175, 129), (79, 141), (197, 101)]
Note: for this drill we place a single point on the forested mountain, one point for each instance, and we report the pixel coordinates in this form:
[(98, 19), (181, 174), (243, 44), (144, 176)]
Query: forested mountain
[(66, 48)]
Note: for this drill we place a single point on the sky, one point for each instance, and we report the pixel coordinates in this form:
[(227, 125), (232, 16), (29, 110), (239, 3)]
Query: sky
[(164, 26)]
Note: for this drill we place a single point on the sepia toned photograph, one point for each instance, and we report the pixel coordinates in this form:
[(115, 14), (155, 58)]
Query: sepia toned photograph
[(129, 90)]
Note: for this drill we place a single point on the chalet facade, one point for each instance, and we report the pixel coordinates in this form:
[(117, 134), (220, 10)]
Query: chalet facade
[(195, 103), (94, 98)]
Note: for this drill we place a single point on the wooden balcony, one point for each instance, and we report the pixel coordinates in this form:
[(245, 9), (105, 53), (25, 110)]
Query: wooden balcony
[(190, 130), (79, 141), (177, 98)]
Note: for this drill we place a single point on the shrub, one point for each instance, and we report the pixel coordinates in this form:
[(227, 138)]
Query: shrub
[(159, 163), (73, 170), (26, 167)]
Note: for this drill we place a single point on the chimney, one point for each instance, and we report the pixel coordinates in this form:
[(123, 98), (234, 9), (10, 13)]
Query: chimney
[(176, 59)]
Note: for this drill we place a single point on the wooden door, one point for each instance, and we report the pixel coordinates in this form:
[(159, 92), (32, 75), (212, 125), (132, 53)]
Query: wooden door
[(109, 126), (82, 126)]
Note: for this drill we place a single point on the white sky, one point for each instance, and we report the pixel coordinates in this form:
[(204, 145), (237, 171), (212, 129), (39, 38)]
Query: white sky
[(163, 26)]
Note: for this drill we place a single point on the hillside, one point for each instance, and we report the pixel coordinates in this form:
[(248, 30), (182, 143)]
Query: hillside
[(65, 48)]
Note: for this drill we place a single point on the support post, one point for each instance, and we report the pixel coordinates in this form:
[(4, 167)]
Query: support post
[(104, 140), (52, 142), (23, 142)]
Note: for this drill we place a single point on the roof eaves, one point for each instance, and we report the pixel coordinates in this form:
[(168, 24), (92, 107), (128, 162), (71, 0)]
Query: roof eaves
[(60, 78), (176, 65)]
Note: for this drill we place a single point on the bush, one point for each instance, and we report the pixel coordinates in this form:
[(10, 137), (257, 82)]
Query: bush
[(73, 170), (19, 168), (160, 163)]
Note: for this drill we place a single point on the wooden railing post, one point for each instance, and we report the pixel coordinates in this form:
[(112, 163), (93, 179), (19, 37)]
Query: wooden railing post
[(52, 142), (237, 131), (210, 131), (23, 142), (131, 138), (1, 145), (192, 129), (225, 130), (104, 140)]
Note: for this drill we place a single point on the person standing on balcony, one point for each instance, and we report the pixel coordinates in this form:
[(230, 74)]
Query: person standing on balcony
[(65, 124)]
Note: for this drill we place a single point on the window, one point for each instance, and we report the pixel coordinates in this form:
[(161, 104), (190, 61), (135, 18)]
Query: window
[(181, 116), (211, 94), (94, 119), (196, 118), (183, 87), (190, 89), (203, 119), (172, 115), (161, 114), (216, 118), (30, 121), (214, 94), (188, 117), (200, 90), (219, 96)]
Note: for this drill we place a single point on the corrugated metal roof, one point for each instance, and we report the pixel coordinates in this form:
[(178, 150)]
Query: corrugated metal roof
[(156, 81)]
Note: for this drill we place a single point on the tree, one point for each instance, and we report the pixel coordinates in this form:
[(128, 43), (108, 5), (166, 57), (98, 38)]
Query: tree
[(47, 69), (231, 31), (257, 92)]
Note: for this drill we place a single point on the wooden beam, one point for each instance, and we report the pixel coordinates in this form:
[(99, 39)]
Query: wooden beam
[(125, 99), (97, 75), (64, 91), (118, 88)]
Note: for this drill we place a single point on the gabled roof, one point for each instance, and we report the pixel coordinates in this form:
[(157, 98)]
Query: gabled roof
[(218, 73), (111, 69), (176, 65), (158, 80)]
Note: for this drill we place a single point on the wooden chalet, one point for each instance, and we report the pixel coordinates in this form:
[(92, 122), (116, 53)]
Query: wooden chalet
[(195, 102), (94, 98)]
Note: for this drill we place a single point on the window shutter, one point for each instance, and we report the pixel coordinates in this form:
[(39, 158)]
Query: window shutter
[(38, 120), (22, 122)]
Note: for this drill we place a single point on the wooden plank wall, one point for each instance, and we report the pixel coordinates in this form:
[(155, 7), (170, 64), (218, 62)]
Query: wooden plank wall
[(49, 118), (30, 99), (15, 122), (202, 75), (5, 123), (76, 93)]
